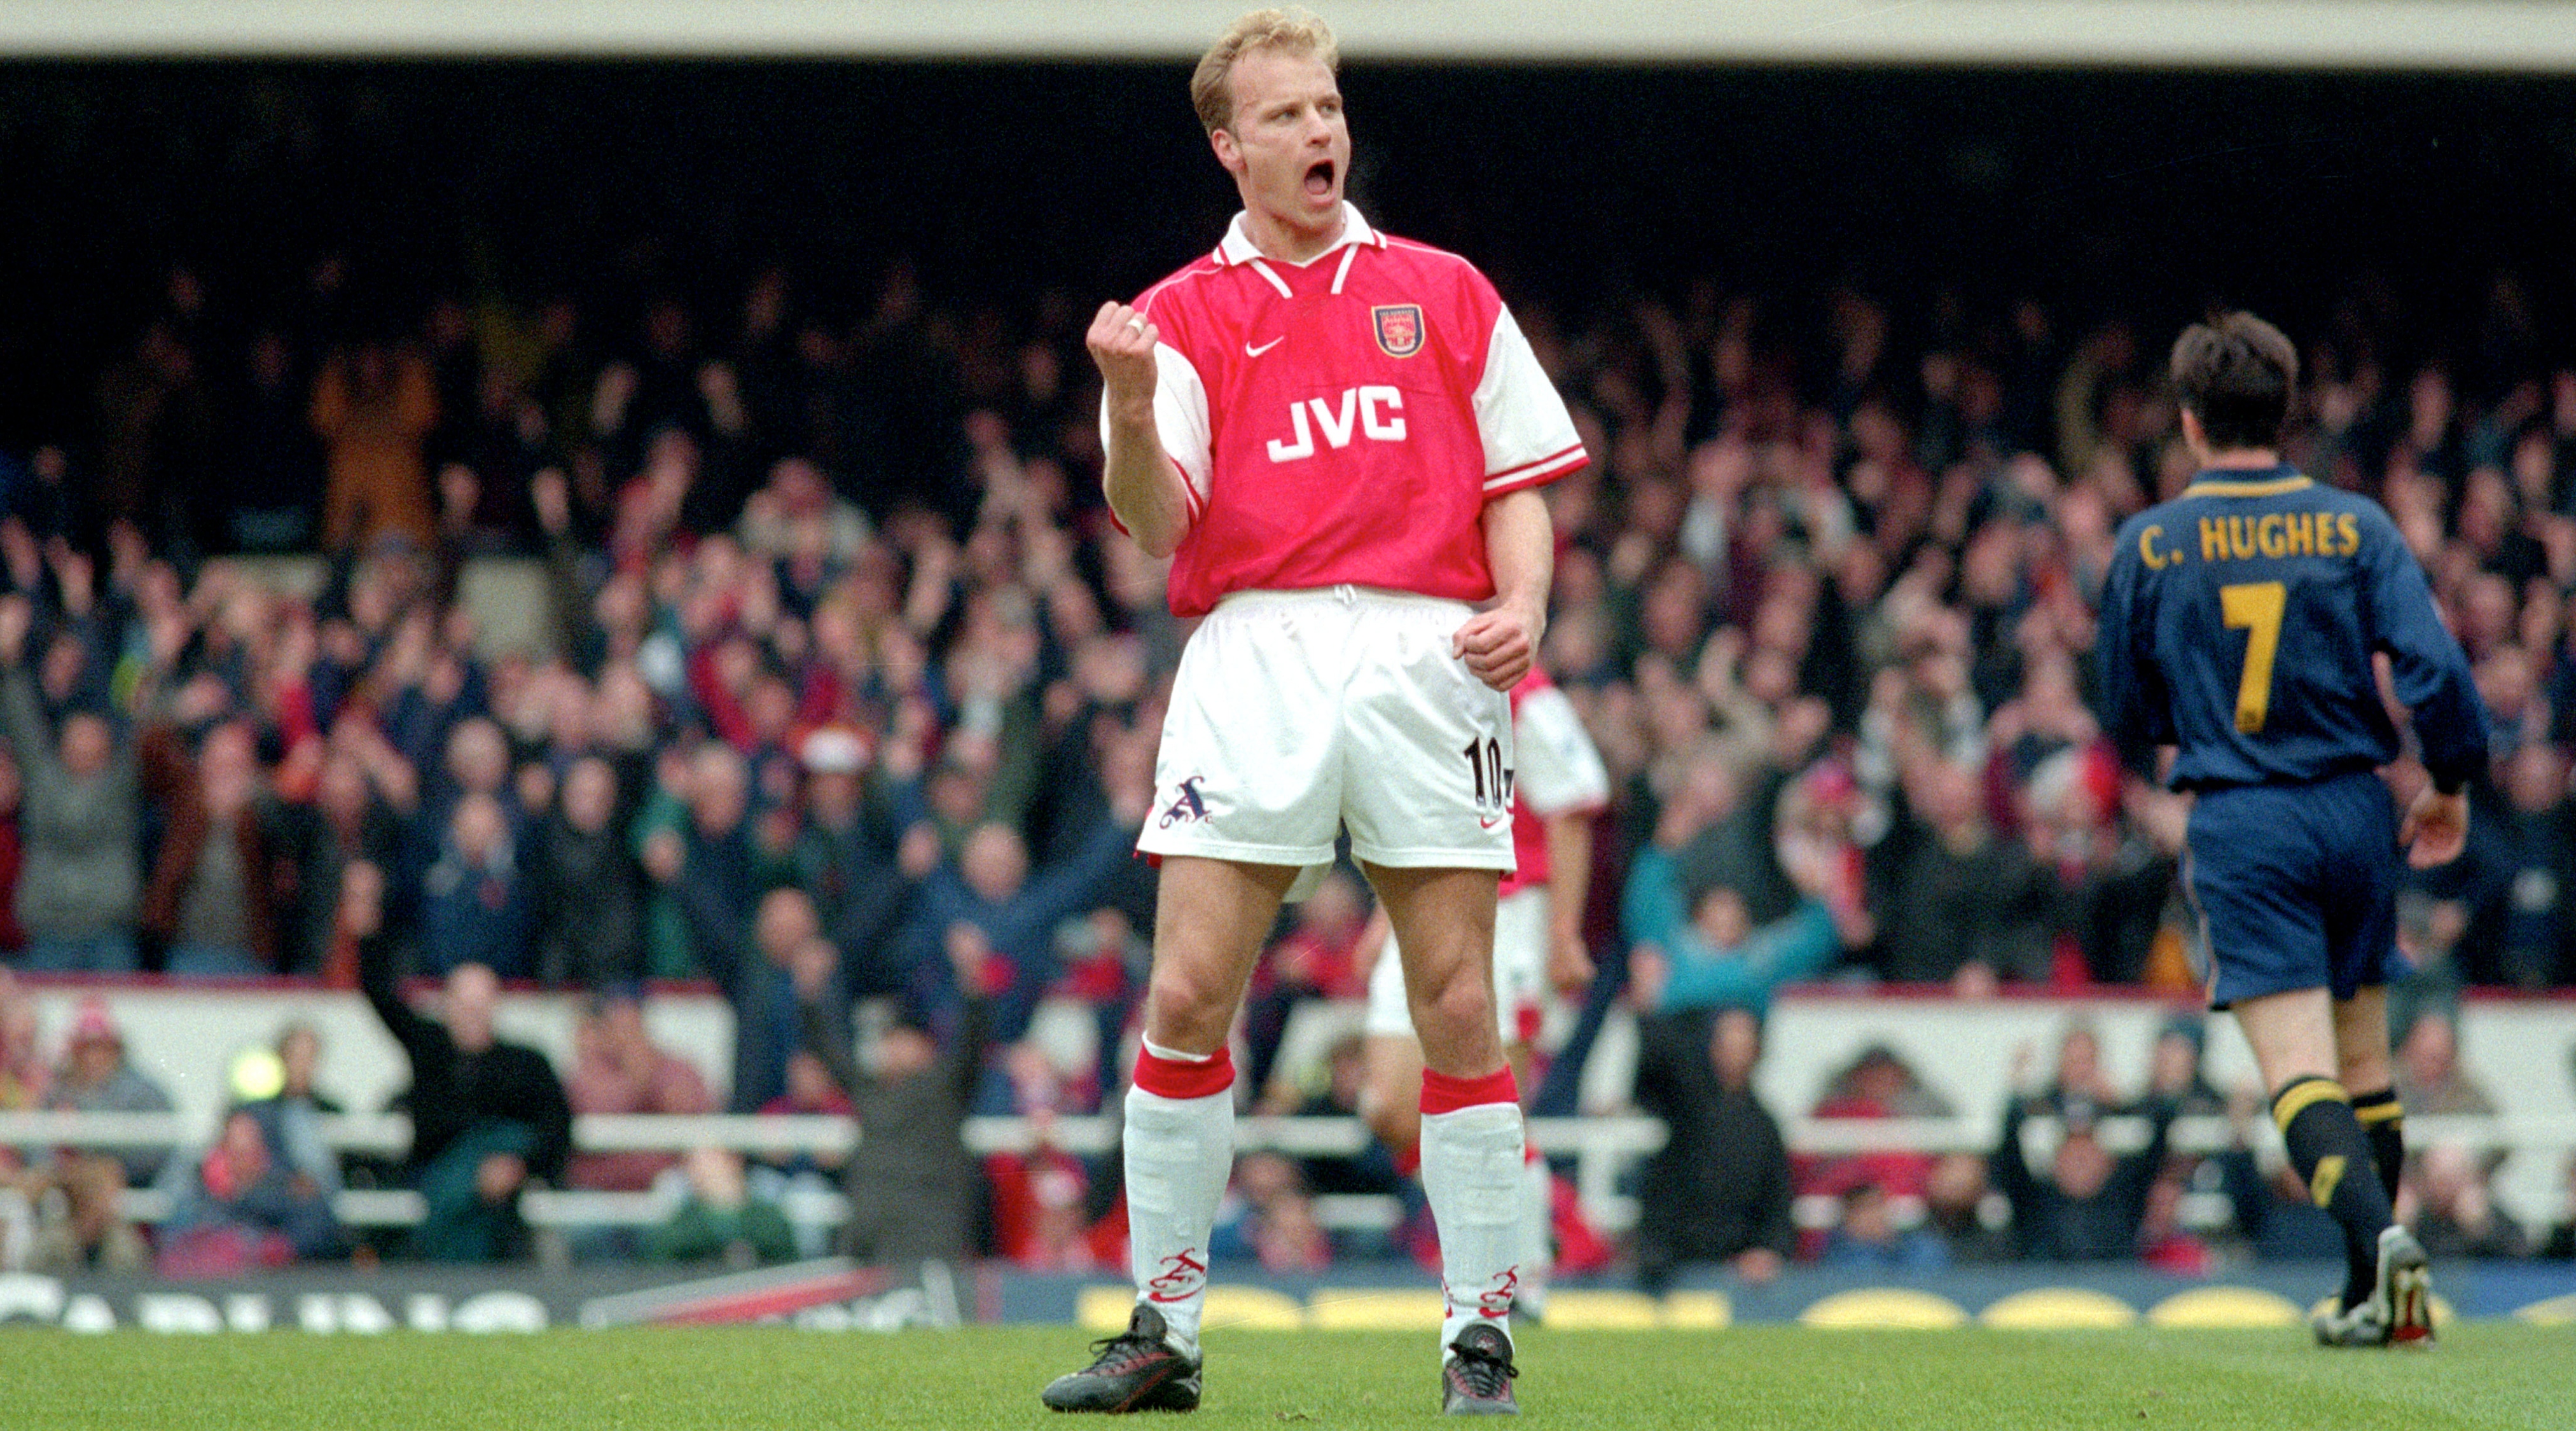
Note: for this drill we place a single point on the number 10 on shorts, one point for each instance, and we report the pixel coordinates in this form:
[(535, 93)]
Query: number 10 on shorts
[(1493, 782)]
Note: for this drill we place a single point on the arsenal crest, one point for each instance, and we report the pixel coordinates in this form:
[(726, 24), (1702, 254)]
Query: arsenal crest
[(1399, 328)]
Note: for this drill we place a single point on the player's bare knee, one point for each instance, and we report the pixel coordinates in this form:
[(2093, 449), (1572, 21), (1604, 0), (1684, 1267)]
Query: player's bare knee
[(1187, 1008), (1457, 1030), (1465, 1004)]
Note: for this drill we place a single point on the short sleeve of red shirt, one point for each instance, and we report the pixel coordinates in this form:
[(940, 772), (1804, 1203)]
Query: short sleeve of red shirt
[(1529, 436)]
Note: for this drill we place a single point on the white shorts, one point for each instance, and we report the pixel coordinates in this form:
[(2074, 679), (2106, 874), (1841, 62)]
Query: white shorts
[(1520, 973), (1296, 714)]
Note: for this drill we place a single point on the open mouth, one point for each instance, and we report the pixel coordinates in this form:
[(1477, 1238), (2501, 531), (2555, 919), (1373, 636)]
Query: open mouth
[(1319, 178)]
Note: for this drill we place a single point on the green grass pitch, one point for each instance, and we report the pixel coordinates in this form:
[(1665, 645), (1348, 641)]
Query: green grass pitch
[(2486, 1376)]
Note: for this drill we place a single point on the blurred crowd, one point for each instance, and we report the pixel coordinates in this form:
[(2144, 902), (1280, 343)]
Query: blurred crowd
[(848, 692), (2081, 1168)]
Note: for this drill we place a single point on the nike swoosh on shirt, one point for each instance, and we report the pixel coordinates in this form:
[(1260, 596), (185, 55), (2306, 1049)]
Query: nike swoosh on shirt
[(1250, 351), (1489, 824)]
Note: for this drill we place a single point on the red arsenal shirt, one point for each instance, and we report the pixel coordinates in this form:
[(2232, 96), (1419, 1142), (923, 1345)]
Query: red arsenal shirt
[(1555, 771), (1347, 419)]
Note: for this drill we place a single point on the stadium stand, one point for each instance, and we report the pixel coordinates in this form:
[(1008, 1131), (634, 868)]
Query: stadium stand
[(806, 584), (180, 1034)]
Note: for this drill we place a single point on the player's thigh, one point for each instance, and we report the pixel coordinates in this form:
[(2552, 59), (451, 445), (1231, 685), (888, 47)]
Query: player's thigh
[(1250, 763), (1444, 933), (1427, 748), (2251, 871), (1210, 920)]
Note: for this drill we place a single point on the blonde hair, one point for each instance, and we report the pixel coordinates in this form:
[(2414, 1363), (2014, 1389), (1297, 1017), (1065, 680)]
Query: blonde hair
[(1295, 30)]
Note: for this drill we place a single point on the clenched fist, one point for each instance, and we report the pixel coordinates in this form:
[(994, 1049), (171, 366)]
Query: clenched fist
[(1122, 343)]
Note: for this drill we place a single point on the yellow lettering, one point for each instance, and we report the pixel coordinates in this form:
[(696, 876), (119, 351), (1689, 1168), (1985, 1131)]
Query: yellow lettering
[(2267, 535), (2240, 538), (2350, 526), (2155, 560), (2213, 539), (2255, 609), (2302, 539)]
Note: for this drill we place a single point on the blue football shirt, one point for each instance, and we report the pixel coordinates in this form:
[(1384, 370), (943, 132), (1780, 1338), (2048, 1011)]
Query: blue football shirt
[(2238, 624)]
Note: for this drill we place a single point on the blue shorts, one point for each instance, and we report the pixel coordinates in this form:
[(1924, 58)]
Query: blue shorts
[(2296, 886)]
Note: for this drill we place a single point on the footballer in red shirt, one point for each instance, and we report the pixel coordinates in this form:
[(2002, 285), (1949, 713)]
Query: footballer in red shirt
[(1336, 436)]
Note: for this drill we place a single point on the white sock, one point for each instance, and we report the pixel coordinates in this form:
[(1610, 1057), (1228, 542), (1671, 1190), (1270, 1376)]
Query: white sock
[(1179, 1153), (1471, 1172), (1538, 1234)]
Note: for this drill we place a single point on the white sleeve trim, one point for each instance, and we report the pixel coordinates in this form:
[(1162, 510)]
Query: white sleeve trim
[(1547, 466), (1557, 770), (1524, 424), (1180, 420)]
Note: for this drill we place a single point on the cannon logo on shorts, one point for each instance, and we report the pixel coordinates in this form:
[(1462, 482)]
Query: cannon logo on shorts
[(1374, 411), (1186, 806)]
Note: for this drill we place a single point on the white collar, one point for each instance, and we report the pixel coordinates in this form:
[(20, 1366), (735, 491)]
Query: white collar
[(1238, 246)]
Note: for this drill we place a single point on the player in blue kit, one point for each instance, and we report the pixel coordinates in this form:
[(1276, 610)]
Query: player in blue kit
[(2240, 626)]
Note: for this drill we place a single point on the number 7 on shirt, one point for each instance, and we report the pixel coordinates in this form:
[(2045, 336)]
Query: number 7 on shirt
[(2255, 608)]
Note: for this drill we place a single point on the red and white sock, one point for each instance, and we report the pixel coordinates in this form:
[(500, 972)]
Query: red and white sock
[(1472, 1173), (1179, 1151)]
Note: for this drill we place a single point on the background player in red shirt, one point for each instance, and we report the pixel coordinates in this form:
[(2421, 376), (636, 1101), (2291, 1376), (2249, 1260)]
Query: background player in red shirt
[(1335, 436)]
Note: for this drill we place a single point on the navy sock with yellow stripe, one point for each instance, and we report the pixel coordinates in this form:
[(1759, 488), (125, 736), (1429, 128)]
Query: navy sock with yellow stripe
[(2383, 1121), (2336, 1162)]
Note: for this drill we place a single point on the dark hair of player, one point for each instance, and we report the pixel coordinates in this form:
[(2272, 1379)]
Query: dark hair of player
[(2235, 373)]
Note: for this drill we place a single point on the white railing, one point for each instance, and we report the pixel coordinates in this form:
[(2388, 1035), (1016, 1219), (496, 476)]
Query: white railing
[(2123, 1133), (1602, 1148)]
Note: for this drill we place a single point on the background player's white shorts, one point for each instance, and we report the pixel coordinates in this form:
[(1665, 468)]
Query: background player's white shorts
[(1520, 973), (1297, 713)]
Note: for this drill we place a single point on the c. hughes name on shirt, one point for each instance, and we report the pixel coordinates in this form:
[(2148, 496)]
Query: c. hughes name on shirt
[(2271, 535)]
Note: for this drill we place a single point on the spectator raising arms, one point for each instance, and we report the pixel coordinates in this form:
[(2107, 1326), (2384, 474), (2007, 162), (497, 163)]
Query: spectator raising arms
[(487, 1117), (1714, 957), (1718, 1190), (912, 1184), (373, 405), (79, 819)]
